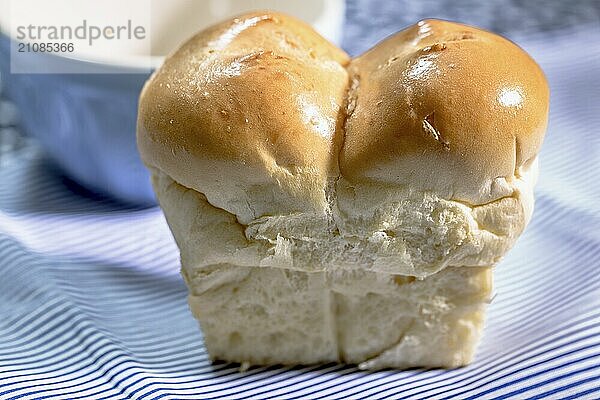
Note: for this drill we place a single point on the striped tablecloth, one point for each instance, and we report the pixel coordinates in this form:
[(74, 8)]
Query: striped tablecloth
[(92, 306)]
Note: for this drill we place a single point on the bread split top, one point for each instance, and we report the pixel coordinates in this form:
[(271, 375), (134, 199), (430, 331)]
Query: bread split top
[(266, 118)]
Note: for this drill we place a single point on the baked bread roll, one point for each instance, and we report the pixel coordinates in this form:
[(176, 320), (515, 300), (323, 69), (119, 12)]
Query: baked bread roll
[(329, 209)]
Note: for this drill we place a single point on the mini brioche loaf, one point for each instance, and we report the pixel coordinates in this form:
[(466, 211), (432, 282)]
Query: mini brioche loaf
[(330, 209)]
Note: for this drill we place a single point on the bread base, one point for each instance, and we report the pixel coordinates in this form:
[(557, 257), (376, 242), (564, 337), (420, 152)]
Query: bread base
[(262, 315), (275, 313)]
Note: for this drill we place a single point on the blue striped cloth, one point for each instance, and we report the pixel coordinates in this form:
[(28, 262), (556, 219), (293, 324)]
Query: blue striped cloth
[(92, 306)]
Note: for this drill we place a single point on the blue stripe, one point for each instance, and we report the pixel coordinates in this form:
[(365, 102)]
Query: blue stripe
[(536, 374), (556, 378), (580, 395)]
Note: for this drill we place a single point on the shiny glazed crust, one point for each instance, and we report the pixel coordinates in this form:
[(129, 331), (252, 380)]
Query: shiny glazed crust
[(445, 107), (262, 102), (247, 107)]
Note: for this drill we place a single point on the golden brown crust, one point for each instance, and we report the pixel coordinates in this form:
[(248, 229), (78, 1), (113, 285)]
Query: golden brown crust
[(447, 108), (251, 113), (248, 105)]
